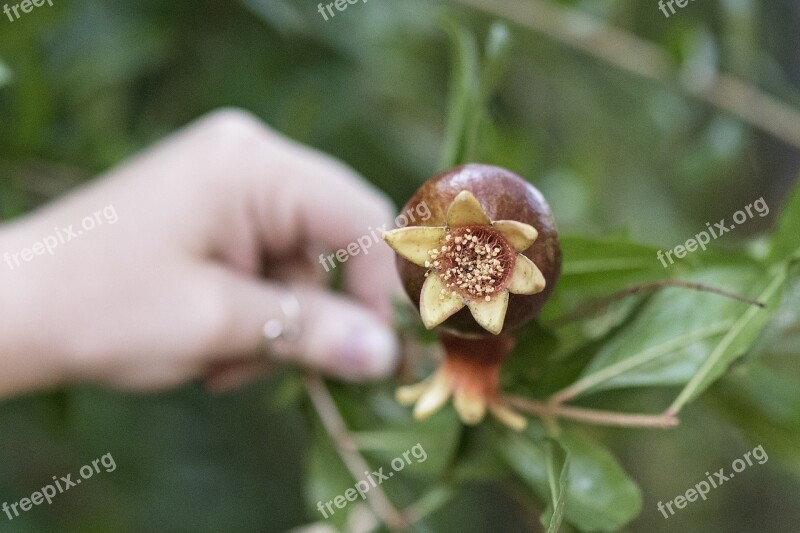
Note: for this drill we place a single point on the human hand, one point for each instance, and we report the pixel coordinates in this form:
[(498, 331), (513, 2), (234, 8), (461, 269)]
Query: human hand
[(210, 225)]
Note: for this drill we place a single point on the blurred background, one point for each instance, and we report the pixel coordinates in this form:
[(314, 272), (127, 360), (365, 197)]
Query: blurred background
[(652, 157)]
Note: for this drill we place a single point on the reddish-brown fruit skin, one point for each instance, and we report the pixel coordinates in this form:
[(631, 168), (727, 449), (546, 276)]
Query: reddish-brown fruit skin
[(503, 196)]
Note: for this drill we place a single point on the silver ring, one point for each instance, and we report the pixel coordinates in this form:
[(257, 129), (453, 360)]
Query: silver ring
[(281, 333)]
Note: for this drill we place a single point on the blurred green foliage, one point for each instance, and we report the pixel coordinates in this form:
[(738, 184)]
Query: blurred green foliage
[(84, 84)]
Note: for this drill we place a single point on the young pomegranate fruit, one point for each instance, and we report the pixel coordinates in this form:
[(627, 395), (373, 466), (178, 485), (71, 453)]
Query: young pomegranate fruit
[(484, 263)]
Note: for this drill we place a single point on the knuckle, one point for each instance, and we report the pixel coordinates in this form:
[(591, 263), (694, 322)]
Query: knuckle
[(231, 139), (235, 126)]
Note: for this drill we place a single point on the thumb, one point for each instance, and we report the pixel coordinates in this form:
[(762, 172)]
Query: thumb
[(336, 335)]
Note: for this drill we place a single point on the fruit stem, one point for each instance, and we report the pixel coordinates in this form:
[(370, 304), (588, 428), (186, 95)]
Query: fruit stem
[(549, 411), (343, 440)]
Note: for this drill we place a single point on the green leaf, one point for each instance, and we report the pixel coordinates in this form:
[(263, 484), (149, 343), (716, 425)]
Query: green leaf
[(594, 260), (282, 16), (463, 100), (766, 405), (288, 390), (785, 242), (384, 430), (5, 74), (478, 458), (495, 59), (742, 335), (326, 478), (435, 439), (594, 267), (781, 337), (601, 496), (686, 337), (492, 71), (430, 502), (558, 480), (613, 369), (473, 80)]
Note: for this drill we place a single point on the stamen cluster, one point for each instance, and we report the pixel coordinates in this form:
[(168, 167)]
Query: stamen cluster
[(471, 262)]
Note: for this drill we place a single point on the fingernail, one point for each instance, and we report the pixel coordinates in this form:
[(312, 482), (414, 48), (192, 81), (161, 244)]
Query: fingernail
[(370, 353)]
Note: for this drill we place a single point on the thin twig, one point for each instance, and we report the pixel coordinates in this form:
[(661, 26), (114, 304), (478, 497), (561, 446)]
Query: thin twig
[(346, 447), (598, 305), (644, 58), (592, 416)]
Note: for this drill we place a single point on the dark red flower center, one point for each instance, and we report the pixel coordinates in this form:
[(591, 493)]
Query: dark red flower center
[(474, 261)]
